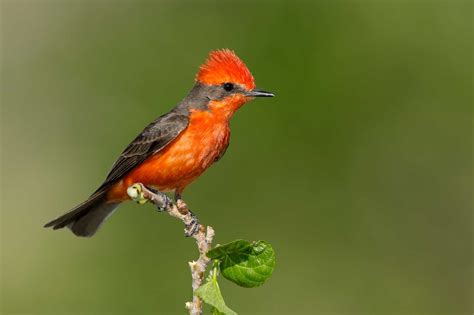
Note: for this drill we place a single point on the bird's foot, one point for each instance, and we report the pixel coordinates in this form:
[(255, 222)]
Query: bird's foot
[(141, 195), (166, 201)]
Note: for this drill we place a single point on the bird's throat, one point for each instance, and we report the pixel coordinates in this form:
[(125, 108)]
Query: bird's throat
[(225, 109)]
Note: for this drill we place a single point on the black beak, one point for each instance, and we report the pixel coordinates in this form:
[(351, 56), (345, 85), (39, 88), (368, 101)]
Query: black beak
[(259, 93)]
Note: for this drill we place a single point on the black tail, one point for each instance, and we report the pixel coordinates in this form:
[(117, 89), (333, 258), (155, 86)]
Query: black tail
[(86, 218)]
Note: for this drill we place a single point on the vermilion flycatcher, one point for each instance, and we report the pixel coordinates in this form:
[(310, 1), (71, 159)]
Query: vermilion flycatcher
[(175, 148)]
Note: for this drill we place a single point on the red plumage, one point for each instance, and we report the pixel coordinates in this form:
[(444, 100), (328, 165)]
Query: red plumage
[(224, 66)]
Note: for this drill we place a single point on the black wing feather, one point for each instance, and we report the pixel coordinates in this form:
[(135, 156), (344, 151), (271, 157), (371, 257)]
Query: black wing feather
[(154, 138)]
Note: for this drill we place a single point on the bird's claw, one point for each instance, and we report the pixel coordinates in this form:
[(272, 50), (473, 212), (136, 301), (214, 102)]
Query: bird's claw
[(136, 194), (166, 203), (193, 226), (166, 200)]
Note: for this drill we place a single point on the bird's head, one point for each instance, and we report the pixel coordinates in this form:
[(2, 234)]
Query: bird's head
[(225, 82)]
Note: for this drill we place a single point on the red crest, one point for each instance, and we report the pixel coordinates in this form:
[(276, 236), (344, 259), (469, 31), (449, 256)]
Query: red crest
[(224, 66)]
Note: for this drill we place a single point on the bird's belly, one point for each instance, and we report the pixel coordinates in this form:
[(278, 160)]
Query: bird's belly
[(182, 161)]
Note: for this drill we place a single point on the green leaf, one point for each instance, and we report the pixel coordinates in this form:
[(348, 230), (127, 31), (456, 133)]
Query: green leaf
[(248, 264), (215, 311), (211, 294)]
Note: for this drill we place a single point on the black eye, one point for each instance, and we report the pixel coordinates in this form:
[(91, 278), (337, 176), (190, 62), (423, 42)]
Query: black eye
[(228, 87)]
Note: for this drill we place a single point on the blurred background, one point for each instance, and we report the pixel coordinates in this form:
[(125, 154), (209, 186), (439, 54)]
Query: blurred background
[(359, 172)]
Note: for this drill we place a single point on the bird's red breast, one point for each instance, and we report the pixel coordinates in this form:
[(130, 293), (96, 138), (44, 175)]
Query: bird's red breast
[(188, 156)]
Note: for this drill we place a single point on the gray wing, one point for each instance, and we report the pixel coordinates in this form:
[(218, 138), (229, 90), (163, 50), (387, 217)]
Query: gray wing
[(151, 140)]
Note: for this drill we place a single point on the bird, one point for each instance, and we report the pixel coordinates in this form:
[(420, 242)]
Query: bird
[(177, 147)]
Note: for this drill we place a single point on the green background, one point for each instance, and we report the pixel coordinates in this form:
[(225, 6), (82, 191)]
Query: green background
[(359, 172)]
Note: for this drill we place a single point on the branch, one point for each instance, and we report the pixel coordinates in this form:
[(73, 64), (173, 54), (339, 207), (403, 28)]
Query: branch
[(203, 235)]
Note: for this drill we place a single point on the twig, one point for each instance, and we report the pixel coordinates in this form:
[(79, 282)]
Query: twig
[(203, 235)]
